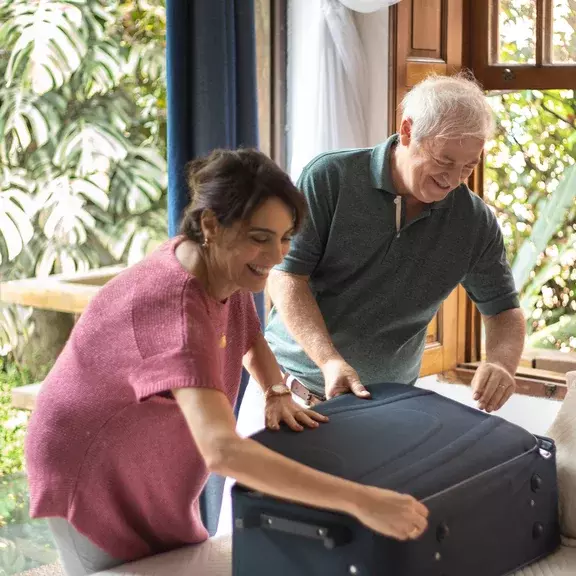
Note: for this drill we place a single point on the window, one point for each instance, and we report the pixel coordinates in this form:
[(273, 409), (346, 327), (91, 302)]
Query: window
[(524, 54), (523, 44)]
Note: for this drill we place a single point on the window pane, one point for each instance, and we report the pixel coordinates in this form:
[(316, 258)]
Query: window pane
[(517, 31), (528, 175), (564, 29)]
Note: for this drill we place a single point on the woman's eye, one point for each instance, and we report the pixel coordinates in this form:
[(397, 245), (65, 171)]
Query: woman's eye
[(260, 239), (287, 240)]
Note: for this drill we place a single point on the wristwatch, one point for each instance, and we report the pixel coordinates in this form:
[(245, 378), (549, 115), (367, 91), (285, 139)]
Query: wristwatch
[(277, 390)]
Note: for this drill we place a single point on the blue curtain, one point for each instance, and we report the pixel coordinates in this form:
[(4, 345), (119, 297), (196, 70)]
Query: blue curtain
[(211, 82)]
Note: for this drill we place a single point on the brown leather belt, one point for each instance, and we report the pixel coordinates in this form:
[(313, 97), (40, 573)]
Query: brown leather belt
[(302, 392)]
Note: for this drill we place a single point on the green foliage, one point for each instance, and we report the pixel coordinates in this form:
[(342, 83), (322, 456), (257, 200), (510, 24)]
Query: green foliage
[(24, 544), (82, 137), (531, 179), (517, 20), (531, 182), (13, 421)]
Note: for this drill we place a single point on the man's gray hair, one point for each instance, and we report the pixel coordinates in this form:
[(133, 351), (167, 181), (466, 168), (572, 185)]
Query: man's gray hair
[(448, 107)]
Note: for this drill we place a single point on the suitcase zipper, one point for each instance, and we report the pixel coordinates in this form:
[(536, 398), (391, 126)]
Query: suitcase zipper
[(500, 466)]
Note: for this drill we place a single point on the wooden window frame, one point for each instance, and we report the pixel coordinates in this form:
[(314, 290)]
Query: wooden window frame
[(271, 21), (542, 75), (271, 55), (480, 30)]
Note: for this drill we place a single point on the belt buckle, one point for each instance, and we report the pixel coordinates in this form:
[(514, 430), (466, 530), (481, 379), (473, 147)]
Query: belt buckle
[(296, 387)]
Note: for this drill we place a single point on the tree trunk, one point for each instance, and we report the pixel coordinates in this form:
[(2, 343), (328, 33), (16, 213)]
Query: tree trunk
[(48, 335)]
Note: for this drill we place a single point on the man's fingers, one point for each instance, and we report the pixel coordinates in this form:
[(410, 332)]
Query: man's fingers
[(492, 387), (494, 402), (506, 396), (337, 391), (489, 388), (359, 390), (479, 381)]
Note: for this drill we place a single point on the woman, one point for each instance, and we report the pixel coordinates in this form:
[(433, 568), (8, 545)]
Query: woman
[(138, 409)]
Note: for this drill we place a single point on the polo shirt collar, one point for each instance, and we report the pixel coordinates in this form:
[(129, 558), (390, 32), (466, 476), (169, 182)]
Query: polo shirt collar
[(381, 174)]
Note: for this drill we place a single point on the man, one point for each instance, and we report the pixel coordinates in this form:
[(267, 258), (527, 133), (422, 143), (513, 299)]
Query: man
[(392, 230)]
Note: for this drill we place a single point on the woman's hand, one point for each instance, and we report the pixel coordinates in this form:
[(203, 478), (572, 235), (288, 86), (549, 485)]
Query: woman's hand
[(284, 409), (393, 514)]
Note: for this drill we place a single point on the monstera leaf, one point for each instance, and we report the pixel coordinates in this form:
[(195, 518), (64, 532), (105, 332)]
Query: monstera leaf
[(88, 142), (103, 69), (48, 42), (16, 212), (138, 181), (131, 239), (26, 121)]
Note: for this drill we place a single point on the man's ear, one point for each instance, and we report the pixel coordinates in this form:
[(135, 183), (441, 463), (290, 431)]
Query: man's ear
[(406, 131)]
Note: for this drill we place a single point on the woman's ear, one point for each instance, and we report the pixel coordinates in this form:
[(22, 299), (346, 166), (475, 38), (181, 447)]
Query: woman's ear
[(209, 224)]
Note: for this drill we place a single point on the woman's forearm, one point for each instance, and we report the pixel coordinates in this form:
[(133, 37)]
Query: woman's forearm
[(263, 470), (262, 365)]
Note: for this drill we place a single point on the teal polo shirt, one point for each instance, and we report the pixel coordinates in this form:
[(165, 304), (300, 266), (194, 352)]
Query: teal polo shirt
[(378, 280)]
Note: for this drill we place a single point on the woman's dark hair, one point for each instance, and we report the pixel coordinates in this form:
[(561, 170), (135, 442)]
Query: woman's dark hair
[(233, 184)]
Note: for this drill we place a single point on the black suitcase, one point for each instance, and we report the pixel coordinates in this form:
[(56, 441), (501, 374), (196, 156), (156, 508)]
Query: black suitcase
[(490, 487)]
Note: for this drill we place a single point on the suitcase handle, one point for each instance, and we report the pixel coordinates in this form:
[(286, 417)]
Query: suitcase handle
[(329, 536)]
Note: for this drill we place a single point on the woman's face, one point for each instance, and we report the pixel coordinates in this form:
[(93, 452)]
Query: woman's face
[(245, 252)]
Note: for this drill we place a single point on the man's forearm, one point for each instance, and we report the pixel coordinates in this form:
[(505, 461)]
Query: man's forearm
[(505, 334), (299, 311)]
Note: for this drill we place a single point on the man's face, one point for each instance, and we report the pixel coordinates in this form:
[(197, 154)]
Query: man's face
[(438, 165)]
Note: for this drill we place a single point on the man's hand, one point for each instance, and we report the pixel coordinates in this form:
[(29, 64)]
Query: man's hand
[(340, 378), (492, 385)]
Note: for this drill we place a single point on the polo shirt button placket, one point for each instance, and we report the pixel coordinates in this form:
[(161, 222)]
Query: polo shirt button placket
[(398, 202)]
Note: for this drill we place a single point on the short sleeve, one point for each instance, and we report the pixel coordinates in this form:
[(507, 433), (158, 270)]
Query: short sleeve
[(308, 245), (179, 368), (489, 282), (193, 363)]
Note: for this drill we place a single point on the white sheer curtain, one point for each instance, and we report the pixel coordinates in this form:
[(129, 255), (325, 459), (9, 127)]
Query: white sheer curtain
[(337, 77), (367, 6)]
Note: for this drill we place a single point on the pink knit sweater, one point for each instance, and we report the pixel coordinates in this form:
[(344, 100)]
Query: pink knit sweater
[(107, 447)]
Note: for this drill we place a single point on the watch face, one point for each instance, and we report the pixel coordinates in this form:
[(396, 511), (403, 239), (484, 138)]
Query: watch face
[(280, 389)]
